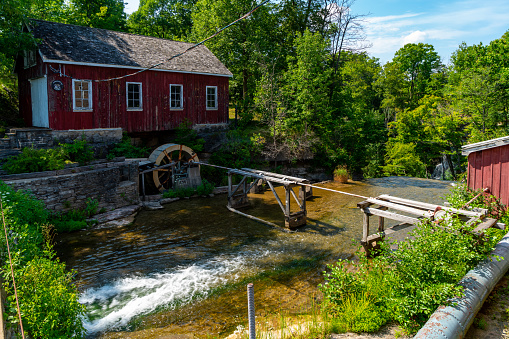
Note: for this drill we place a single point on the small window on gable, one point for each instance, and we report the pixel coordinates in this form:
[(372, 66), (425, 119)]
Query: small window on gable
[(134, 96), (176, 97), (29, 58), (211, 97), (82, 95)]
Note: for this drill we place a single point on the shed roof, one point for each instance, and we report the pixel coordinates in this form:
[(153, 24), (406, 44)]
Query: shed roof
[(480, 146), (63, 43)]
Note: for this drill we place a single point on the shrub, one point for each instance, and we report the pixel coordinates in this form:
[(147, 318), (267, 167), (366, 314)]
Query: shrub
[(189, 137), (79, 151), (204, 188), (408, 285), (36, 160), (125, 148), (75, 219), (341, 174), (48, 300)]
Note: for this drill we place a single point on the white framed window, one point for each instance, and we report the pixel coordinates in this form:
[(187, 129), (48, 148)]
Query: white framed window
[(176, 97), (29, 58), (211, 97), (82, 95), (134, 96)]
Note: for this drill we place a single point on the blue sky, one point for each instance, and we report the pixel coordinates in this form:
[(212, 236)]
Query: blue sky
[(444, 24)]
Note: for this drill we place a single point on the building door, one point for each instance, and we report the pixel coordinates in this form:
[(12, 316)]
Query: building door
[(39, 90)]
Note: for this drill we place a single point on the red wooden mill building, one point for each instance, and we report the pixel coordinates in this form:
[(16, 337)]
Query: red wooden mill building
[(58, 87), (488, 167)]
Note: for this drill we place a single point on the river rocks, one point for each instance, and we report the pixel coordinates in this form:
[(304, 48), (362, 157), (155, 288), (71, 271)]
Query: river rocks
[(116, 218), (152, 205)]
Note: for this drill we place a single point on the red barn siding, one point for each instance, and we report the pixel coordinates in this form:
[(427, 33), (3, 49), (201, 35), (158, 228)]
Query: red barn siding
[(489, 168), (109, 99)]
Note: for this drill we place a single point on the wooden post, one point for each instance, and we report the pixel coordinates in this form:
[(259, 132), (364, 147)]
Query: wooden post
[(365, 229), (229, 188), (302, 194), (287, 211), (143, 185), (381, 224)]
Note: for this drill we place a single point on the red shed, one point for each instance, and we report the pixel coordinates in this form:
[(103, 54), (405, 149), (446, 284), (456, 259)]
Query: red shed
[(60, 82), (488, 166)]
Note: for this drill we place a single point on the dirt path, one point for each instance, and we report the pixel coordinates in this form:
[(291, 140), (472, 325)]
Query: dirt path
[(492, 321)]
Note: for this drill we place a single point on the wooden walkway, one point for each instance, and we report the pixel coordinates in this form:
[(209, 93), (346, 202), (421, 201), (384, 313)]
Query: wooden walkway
[(414, 211)]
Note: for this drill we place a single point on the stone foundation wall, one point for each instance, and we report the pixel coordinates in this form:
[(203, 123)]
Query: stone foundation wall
[(112, 184)]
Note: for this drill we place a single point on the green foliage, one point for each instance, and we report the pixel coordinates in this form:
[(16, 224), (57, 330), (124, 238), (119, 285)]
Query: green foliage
[(48, 299), (163, 19), (205, 188), (75, 219), (125, 148), (408, 285), (185, 135), (402, 160), (37, 160), (79, 151)]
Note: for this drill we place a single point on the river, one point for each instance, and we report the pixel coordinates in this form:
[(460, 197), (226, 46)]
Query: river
[(183, 269)]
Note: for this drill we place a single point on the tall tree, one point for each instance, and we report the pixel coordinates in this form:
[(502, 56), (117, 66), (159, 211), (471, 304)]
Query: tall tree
[(410, 75), (107, 14), (163, 19), (241, 46)]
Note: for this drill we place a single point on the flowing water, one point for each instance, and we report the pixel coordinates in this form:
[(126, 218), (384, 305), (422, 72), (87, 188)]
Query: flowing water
[(183, 269)]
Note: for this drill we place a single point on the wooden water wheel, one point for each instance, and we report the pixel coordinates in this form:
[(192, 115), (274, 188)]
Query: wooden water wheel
[(183, 156)]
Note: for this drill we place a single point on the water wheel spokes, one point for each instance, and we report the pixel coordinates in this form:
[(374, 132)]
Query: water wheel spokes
[(182, 155)]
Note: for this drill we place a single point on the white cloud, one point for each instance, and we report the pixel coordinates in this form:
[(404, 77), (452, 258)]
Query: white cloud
[(415, 37), (444, 26)]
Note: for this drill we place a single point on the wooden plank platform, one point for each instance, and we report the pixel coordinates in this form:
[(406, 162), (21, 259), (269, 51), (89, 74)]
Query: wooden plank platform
[(414, 213)]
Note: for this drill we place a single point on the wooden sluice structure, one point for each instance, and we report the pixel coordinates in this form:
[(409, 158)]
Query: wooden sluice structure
[(380, 205), (237, 194)]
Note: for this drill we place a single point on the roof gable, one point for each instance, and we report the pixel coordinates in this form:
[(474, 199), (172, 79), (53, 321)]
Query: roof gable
[(79, 44)]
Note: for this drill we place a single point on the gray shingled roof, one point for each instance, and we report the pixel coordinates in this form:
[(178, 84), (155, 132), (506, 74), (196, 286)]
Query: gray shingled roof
[(71, 43)]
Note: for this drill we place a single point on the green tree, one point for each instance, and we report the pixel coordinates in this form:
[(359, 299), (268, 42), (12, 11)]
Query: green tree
[(107, 14), (241, 46), (412, 73), (163, 19)]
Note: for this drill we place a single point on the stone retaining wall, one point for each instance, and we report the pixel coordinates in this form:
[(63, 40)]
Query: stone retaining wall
[(112, 184)]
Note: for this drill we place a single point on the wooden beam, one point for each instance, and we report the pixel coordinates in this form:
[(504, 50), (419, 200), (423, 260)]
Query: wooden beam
[(411, 210), (427, 206), (389, 231), (276, 196), (295, 197), (485, 225), (390, 215)]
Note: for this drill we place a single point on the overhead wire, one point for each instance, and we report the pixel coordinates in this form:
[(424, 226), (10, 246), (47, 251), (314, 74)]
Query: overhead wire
[(12, 269), (174, 56)]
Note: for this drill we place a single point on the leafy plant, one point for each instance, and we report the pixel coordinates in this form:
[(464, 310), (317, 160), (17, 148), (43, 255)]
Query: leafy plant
[(125, 148), (188, 137), (48, 299), (341, 174), (75, 219), (407, 285), (204, 188), (36, 160), (79, 151)]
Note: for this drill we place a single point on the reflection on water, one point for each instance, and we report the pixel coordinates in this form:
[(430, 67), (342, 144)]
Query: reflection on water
[(169, 260)]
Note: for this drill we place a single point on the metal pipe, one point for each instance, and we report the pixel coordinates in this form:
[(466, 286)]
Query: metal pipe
[(453, 321), (251, 311)]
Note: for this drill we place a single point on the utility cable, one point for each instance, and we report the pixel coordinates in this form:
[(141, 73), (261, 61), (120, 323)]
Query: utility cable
[(174, 56), (297, 183), (12, 269)]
